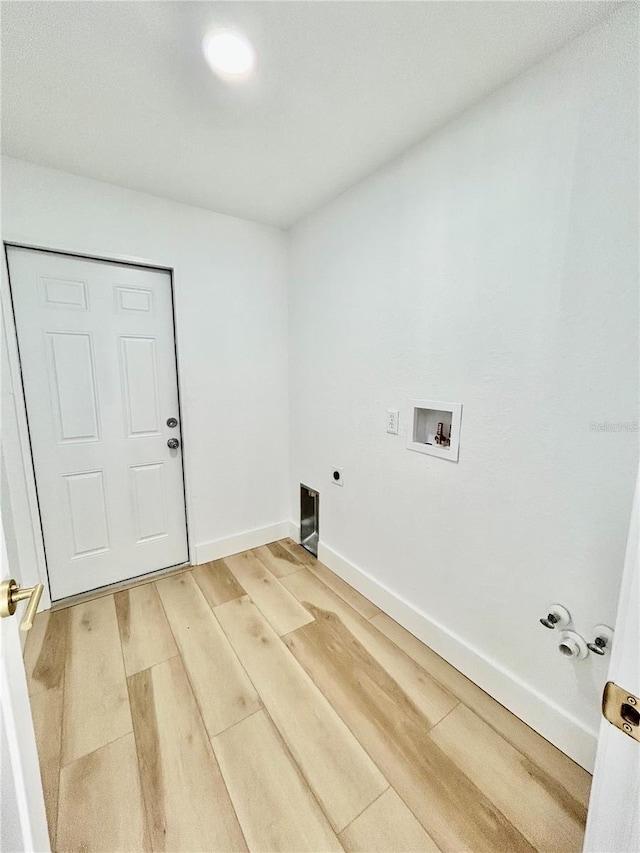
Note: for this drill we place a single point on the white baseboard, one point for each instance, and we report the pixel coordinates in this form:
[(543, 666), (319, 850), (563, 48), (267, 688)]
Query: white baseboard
[(538, 711), (220, 548)]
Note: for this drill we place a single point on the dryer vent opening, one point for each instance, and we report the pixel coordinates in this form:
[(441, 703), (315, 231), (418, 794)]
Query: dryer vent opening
[(309, 519)]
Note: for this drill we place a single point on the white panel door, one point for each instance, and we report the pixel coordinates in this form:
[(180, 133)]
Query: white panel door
[(98, 362)]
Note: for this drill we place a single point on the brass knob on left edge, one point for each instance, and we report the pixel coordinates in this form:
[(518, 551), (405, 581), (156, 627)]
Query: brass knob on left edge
[(11, 594)]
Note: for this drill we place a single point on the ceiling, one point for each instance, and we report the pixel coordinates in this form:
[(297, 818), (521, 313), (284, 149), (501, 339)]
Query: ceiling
[(119, 91)]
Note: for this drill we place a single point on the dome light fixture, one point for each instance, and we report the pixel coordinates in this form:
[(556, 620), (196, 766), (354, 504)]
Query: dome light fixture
[(229, 54)]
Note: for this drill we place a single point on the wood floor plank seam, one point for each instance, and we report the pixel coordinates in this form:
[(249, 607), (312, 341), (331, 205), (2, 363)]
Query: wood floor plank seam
[(372, 803), (457, 705), (435, 677), (229, 650), (285, 746), (287, 752), (197, 700), (280, 608), (264, 709), (231, 725), (263, 706), (281, 554), (89, 822), (360, 767), (237, 722), (286, 749), (312, 793), (97, 749), (145, 634), (303, 556), (217, 583), (292, 636), (389, 825), (66, 764), (344, 590), (433, 699), (62, 765), (96, 705), (205, 734), (186, 669)]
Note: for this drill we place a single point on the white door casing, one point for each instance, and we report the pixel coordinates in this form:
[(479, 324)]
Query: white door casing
[(613, 824), (97, 353)]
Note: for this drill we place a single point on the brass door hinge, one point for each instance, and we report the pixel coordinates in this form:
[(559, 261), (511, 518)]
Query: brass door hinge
[(621, 709)]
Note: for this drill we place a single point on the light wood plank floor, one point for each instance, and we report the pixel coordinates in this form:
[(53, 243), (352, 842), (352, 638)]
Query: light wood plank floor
[(260, 703)]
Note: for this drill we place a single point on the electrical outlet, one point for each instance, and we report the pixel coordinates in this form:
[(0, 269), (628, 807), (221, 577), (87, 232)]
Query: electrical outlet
[(393, 416)]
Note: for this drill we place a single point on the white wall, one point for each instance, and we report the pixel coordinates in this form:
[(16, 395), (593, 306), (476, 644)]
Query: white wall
[(495, 265), (231, 313)]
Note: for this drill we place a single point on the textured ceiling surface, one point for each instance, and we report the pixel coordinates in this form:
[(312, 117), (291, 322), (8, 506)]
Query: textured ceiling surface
[(119, 91)]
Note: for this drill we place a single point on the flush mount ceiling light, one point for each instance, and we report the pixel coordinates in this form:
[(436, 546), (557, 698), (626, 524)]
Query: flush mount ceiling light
[(229, 54)]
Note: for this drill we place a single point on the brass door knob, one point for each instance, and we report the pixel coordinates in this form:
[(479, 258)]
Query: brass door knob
[(11, 594)]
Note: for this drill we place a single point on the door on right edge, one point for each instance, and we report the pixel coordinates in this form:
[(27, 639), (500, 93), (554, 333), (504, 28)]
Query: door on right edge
[(613, 823)]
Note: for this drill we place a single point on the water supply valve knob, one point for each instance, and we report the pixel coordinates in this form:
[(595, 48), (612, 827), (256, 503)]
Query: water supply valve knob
[(558, 617), (602, 642)]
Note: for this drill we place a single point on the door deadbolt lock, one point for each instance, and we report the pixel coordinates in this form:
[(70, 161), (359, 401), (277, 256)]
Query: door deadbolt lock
[(622, 709), (173, 444), (172, 423)]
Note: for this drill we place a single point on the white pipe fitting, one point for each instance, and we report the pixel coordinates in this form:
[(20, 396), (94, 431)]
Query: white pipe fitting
[(572, 645)]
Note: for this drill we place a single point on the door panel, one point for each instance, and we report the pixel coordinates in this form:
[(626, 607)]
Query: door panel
[(73, 386), (149, 501), (140, 386), (62, 293), (87, 513), (97, 353), (134, 299)]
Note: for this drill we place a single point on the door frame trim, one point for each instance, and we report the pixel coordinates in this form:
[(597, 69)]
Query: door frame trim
[(17, 388)]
